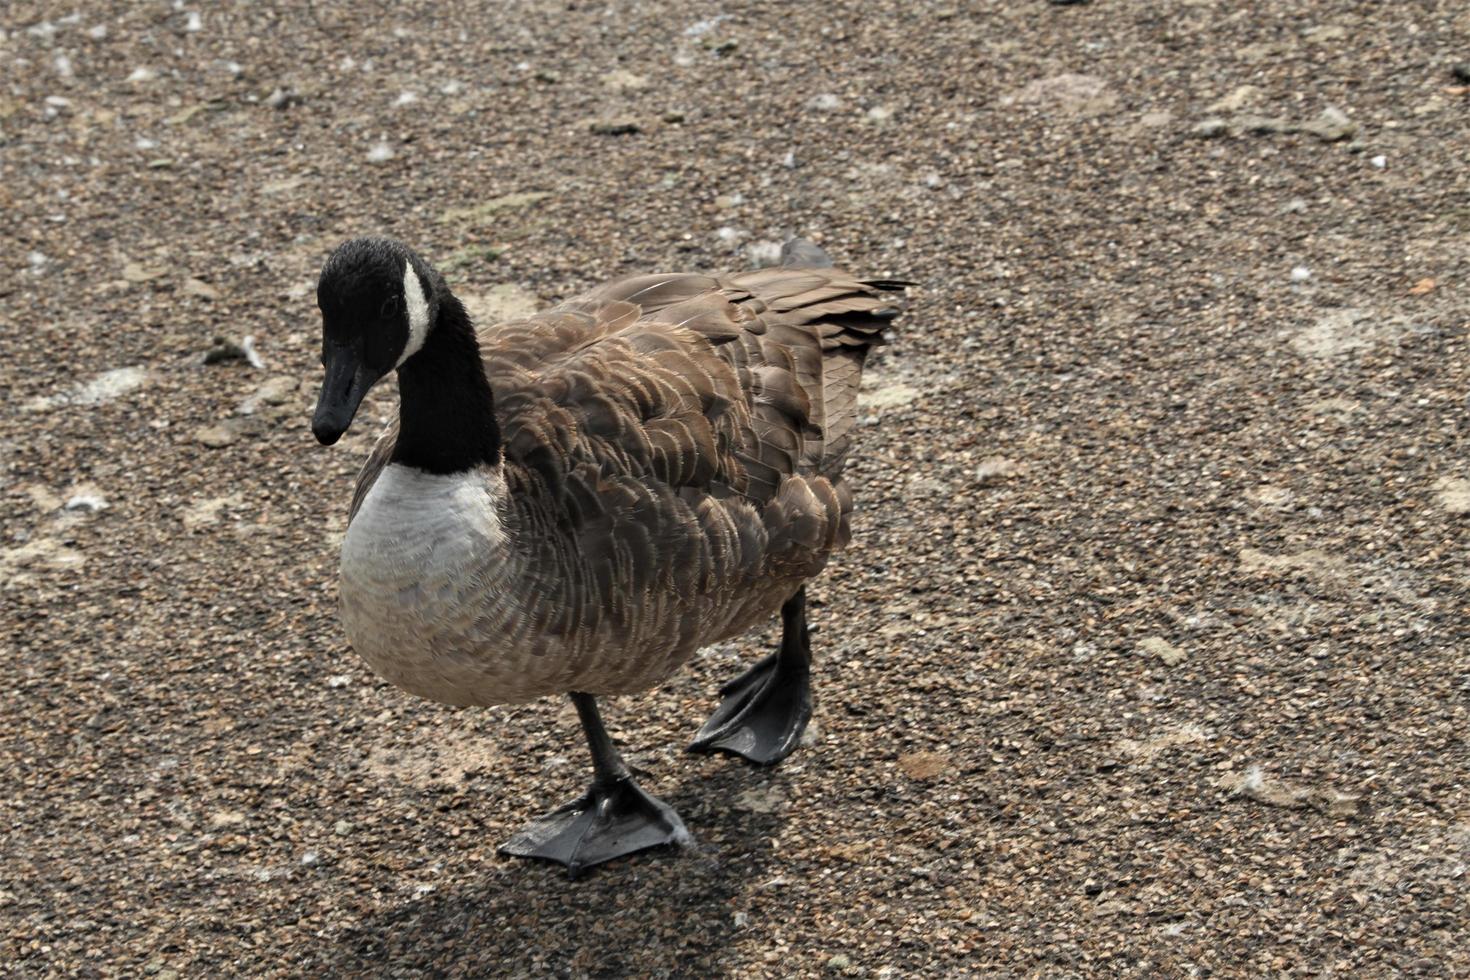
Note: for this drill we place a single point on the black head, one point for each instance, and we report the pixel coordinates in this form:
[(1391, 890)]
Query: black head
[(379, 301)]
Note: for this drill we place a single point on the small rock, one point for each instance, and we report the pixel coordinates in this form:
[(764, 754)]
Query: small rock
[(994, 469), (1264, 125), (1325, 32), (86, 497), (1331, 126), (1238, 99), (1082, 95), (881, 113), (214, 436), (890, 395), (1297, 205), (841, 961), (380, 153), (310, 858), (342, 828), (1461, 73), (615, 126), (200, 288), (276, 391), (624, 81), (672, 116), (825, 102), (546, 76), (1379, 161), (1157, 646), (1453, 494), (103, 388), (41, 498), (760, 799), (135, 272), (1210, 128), (1156, 119), (280, 98), (923, 766), (763, 254), (1300, 273), (207, 512), (226, 818)]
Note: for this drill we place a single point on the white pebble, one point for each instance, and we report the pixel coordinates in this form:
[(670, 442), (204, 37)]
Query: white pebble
[(91, 502), (64, 66), (451, 88), (97, 31), (194, 22), (310, 858), (1379, 161), (142, 74), (1300, 274), (380, 153), (406, 98), (338, 680)]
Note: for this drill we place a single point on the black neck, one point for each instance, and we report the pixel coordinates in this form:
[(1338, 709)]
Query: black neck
[(446, 413)]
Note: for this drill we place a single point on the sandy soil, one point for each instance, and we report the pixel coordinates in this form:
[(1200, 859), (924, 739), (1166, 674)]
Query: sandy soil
[(1150, 656)]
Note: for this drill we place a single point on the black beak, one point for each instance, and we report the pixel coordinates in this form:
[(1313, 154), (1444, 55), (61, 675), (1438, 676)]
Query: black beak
[(347, 381)]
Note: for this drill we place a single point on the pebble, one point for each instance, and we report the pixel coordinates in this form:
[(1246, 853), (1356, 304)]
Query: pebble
[(342, 828), (1331, 126), (103, 388), (275, 391), (615, 126), (1210, 128), (1453, 494), (200, 288), (1379, 161), (380, 153), (994, 469), (1300, 273), (623, 80), (1157, 646), (280, 98), (215, 436), (86, 497), (763, 254)]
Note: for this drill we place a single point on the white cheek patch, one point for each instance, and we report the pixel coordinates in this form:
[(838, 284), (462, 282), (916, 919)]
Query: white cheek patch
[(417, 307)]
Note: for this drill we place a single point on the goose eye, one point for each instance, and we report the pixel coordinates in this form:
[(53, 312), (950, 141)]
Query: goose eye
[(390, 306)]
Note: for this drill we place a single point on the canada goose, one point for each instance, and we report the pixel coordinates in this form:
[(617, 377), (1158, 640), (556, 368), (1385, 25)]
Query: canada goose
[(577, 501)]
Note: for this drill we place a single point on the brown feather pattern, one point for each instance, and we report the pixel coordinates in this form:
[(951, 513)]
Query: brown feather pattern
[(673, 455)]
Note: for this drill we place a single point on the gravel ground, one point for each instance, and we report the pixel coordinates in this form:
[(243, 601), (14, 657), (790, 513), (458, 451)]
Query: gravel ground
[(1150, 655)]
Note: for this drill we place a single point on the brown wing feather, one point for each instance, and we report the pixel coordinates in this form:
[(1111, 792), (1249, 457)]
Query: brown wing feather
[(674, 447)]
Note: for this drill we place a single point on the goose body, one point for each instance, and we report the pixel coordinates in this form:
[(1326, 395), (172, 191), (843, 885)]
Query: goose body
[(578, 500)]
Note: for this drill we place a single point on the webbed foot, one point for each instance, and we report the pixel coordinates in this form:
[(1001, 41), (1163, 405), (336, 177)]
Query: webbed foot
[(763, 714), (610, 820)]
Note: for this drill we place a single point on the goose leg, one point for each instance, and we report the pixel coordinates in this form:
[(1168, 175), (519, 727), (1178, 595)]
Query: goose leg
[(766, 709), (613, 818)]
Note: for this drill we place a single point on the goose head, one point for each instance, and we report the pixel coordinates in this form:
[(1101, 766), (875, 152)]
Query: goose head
[(379, 301)]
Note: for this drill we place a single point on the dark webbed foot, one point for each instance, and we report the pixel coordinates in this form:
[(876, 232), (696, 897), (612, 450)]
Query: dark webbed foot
[(609, 821), (613, 818), (766, 709)]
